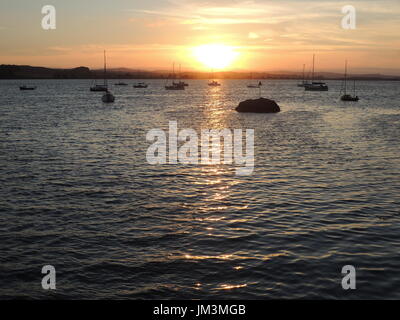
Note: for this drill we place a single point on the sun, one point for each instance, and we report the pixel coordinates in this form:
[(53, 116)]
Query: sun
[(215, 56)]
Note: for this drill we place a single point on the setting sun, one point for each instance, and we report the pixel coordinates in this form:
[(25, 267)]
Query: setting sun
[(215, 56)]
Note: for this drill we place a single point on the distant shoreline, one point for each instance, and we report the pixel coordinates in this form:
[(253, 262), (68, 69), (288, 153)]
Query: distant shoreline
[(217, 78), (16, 72)]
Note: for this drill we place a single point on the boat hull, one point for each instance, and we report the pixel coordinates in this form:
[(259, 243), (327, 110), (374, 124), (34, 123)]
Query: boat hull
[(98, 89), (27, 88), (349, 98), (108, 98), (316, 87), (175, 87)]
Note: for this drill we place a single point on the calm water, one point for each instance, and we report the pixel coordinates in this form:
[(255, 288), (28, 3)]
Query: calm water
[(77, 192)]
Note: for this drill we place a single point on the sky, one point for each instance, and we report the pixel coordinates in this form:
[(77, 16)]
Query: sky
[(258, 35)]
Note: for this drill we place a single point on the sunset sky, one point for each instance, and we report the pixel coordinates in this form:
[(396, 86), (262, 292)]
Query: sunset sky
[(246, 35)]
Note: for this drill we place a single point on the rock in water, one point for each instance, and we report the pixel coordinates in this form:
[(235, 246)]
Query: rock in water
[(261, 105)]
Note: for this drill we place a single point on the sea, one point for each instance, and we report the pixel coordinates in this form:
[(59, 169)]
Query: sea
[(78, 193)]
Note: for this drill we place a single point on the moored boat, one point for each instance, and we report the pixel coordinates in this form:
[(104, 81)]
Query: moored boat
[(214, 83), (304, 82), (140, 85), (181, 83), (108, 97), (346, 96), (101, 87), (25, 87), (174, 85), (256, 86), (315, 86)]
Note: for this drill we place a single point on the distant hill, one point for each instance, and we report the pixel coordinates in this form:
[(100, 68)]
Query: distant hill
[(29, 72)]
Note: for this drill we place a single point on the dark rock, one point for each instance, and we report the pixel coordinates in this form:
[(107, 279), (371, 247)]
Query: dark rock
[(261, 105)]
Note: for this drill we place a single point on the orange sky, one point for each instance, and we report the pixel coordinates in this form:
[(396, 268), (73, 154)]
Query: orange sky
[(256, 35)]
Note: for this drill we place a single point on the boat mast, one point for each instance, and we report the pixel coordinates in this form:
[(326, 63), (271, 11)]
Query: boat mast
[(304, 67), (105, 68), (313, 61), (345, 77)]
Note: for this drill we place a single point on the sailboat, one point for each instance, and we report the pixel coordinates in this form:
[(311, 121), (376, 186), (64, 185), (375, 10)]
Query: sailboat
[(174, 85), (180, 82), (108, 97), (304, 82), (315, 86), (346, 96), (258, 85), (101, 87), (213, 83)]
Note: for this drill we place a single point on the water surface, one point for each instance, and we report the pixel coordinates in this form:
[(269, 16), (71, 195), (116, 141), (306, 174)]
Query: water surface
[(77, 193)]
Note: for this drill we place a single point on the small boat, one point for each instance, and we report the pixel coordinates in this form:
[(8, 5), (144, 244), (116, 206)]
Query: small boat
[(214, 83), (140, 85), (346, 96), (181, 83), (98, 87), (175, 85), (101, 87), (315, 86), (255, 85), (303, 83), (24, 87), (108, 97), (120, 84)]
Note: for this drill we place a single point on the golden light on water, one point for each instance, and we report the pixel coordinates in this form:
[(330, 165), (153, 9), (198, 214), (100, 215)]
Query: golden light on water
[(215, 56)]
